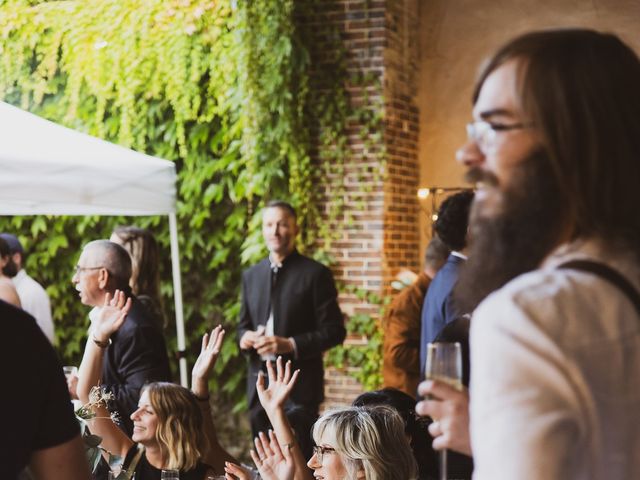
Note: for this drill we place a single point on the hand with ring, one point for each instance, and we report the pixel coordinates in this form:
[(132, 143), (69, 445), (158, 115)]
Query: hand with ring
[(449, 408), (273, 461)]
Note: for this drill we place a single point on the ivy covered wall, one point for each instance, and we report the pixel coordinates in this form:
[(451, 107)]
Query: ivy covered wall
[(252, 101)]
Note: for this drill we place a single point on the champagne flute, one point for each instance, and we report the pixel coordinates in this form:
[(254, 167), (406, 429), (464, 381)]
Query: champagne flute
[(444, 364)]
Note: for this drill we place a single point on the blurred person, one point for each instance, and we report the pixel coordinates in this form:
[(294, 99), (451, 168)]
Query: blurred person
[(401, 325), (8, 291), (289, 307), (440, 307), (554, 266), (41, 430), (136, 354), (33, 297), (173, 428), (145, 265)]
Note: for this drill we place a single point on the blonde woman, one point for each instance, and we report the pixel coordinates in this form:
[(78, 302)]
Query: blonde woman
[(172, 425), (362, 443)]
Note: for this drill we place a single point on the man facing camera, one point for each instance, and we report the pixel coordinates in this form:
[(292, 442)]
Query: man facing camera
[(289, 308)]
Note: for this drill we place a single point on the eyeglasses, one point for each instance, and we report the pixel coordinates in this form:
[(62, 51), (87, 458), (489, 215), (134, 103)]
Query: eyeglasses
[(484, 133), (320, 451), (79, 269)]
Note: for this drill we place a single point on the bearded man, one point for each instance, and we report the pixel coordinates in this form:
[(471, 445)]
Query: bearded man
[(554, 265)]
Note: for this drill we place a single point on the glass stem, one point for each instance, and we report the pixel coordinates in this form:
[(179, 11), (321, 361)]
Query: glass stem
[(443, 465)]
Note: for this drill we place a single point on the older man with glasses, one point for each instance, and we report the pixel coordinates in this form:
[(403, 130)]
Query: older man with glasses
[(136, 354)]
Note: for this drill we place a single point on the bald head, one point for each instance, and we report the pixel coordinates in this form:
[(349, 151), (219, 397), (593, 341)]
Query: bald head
[(114, 258)]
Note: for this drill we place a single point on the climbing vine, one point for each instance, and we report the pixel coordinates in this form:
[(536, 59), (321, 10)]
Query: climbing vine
[(223, 89)]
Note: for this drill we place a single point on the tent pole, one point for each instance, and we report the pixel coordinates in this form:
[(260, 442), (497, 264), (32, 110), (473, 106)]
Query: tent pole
[(177, 294)]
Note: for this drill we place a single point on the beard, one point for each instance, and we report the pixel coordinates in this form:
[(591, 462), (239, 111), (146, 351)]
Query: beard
[(10, 269), (511, 230)]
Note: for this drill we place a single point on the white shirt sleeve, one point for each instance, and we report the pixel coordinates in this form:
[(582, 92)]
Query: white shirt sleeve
[(526, 417)]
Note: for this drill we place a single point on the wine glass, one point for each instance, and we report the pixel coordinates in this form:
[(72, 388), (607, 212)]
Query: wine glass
[(170, 475), (444, 364)]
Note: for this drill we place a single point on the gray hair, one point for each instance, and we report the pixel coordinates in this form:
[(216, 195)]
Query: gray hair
[(372, 439), (115, 259)]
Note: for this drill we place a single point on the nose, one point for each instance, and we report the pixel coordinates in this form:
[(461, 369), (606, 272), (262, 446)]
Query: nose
[(469, 155), (313, 462), (74, 278), (134, 415)]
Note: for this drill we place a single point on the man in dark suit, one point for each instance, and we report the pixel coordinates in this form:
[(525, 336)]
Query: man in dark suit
[(439, 307), (136, 353), (289, 308)]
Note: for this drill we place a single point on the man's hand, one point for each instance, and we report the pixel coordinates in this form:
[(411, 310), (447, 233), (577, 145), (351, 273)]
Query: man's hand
[(250, 337), (449, 409), (281, 382), (111, 317), (273, 345)]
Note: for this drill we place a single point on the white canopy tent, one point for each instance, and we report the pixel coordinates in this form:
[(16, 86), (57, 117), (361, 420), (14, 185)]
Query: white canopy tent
[(49, 169)]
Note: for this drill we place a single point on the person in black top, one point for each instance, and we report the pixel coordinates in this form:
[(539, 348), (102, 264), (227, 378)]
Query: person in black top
[(40, 428), (173, 428), (289, 308), (136, 353)]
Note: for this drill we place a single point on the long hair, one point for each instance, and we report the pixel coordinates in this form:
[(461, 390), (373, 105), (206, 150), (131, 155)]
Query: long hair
[(581, 91), (371, 439), (145, 260), (414, 426), (179, 433)]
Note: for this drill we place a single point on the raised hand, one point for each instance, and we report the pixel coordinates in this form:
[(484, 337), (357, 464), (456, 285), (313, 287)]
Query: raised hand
[(281, 382), (236, 472), (273, 461), (112, 315), (211, 344)]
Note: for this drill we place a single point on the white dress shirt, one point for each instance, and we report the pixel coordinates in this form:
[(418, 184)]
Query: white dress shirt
[(555, 383), (35, 301)]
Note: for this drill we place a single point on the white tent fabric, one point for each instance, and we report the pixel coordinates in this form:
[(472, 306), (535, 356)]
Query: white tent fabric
[(46, 168), (50, 169)]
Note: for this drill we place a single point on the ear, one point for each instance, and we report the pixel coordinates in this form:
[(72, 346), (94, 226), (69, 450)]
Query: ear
[(17, 259), (103, 278), (360, 475)]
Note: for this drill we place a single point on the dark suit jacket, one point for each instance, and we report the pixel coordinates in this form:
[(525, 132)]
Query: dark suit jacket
[(438, 308), (137, 355), (305, 307)]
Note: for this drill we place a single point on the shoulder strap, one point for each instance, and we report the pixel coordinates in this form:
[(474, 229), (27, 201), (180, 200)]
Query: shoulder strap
[(609, 274)]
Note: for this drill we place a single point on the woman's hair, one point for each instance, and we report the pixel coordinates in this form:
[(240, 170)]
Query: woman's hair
[(143, 248), (179, 433), (414, 426), (371, 439), (145, 259)]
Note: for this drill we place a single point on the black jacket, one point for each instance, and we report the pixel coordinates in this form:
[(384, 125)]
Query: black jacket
[(305, 307), (137, 355)]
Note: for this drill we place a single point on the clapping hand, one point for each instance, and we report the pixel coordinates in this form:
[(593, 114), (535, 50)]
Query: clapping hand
[(209, 352), (273, 462), (281, 382), (112, 315)]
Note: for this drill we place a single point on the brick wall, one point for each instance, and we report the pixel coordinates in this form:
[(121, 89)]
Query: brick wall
[(379, 222)]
